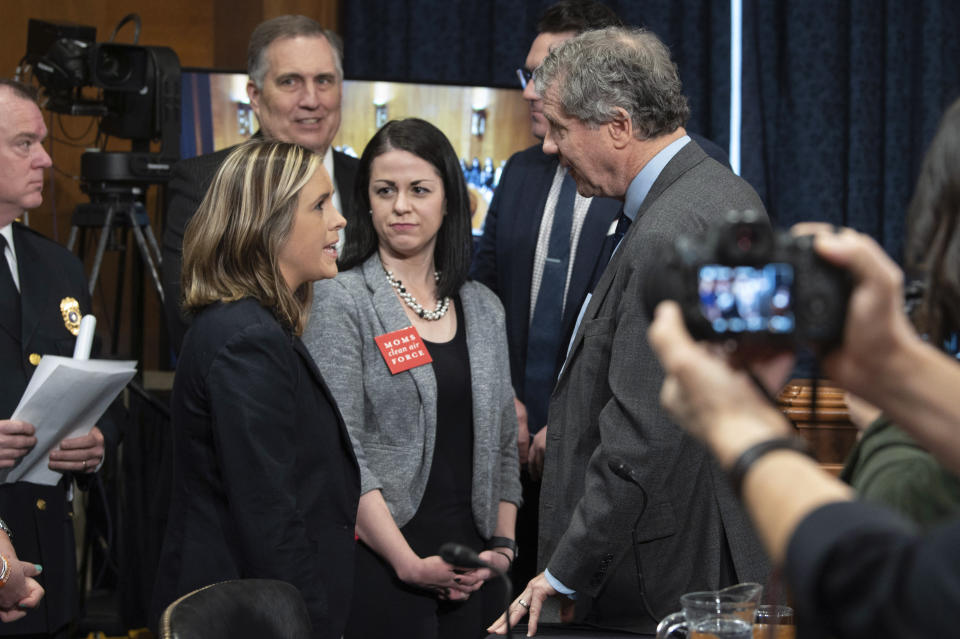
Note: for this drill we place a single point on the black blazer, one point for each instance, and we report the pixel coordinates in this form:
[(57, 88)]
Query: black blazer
[(504, 258), (265, 482), (189, 183), (40, 516)]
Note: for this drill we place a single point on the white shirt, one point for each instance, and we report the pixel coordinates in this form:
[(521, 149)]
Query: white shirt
[(580, 207)]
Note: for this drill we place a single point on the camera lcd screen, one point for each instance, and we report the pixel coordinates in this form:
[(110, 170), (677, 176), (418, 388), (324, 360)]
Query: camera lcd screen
[(747, 299)]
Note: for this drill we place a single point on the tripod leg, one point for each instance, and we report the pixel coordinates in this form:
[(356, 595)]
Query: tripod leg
[(144, 253), (101, 249), (152, 243)]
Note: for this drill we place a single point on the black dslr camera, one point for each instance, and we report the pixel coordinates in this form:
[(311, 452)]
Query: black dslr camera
[(741, 280)]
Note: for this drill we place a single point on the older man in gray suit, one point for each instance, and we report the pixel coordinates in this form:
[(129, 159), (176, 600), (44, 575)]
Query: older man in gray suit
[(633, 513)]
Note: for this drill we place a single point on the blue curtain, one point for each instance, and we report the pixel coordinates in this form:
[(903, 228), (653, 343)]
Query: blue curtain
[(840, 98)]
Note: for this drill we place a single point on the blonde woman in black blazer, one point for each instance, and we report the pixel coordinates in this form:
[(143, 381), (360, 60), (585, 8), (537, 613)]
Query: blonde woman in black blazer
[(265, 482)]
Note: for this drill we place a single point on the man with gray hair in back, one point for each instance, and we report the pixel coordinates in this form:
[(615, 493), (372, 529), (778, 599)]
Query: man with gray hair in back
[(295, 89), (633, 513)]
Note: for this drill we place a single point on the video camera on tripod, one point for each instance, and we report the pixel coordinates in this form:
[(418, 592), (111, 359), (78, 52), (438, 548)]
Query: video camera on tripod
[(139, 100)]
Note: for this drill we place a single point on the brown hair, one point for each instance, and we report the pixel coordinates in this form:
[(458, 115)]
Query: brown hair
[(933, 243), (232, 244)]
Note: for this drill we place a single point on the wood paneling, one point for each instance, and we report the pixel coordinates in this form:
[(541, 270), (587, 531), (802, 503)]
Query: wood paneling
[(448, 107), (826, 426)]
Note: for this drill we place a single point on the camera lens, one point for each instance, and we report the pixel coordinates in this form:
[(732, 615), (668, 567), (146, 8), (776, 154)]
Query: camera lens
[(112, 69)]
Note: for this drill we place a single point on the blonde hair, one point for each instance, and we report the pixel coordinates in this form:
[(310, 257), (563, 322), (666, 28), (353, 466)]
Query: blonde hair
[(232, 244)]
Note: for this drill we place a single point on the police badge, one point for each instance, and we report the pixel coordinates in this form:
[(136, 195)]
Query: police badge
[(70, 309)]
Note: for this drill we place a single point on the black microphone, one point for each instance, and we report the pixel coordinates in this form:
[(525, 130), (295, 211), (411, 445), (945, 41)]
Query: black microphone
[(459, 555), (624, 472)]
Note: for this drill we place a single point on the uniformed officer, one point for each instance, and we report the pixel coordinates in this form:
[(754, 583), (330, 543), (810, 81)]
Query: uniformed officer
[(43, 294)]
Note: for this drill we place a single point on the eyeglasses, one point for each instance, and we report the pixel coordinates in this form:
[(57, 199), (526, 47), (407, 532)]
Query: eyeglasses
[(524, 76)]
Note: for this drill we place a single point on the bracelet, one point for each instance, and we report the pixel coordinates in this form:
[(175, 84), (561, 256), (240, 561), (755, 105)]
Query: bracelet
[(5, 528), (738, 471), (502, 542), (4, 571), (509, 560)]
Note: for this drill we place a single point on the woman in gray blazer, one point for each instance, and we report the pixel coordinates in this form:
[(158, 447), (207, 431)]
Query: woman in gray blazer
[(416, 357)]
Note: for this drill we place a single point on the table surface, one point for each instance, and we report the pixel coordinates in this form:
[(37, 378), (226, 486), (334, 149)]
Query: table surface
[(552, 631)]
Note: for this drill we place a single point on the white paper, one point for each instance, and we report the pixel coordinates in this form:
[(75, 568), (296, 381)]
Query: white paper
[(65, 398), (81, 349)]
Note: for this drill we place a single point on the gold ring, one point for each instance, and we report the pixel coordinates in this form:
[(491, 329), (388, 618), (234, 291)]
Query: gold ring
[(523, 603)]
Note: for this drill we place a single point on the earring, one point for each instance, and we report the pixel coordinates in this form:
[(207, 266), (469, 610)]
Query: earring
[(370, 211)]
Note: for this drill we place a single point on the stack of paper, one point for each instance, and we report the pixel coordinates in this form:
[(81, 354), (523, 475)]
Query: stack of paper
[(65, 398)]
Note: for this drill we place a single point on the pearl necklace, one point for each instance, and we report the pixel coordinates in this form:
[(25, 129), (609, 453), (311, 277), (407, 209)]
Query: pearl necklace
[(411, 301)]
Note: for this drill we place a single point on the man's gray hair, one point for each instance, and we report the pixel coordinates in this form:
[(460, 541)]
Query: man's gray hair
[(289, 26), (598, 71)]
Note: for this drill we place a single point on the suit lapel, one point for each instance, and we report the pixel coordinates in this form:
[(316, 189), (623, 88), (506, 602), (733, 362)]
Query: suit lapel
[(482, 361), (311, 365), (393, 318), (600, 215), (524, 236), (345, 175), (37, 297), (685, 159), (10, 310)]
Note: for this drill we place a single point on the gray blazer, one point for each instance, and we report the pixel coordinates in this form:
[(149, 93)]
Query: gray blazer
[(691, 532), (392, 419)]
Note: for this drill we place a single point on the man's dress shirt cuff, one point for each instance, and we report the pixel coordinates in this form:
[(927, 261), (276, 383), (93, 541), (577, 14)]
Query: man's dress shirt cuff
[(559, 587)]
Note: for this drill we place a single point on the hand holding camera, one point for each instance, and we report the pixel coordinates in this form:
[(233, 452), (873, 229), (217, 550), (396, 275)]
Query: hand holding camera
[(742, 281)]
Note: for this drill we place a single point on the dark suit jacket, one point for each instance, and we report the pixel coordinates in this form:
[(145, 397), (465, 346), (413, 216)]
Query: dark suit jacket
[(40, 516), (265, 480), (859, 570), (692, 532), (188, 184), (504, 258)]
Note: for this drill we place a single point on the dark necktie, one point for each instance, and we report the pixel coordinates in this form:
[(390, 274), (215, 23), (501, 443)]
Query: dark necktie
[(543, 338), (9, 295), (609, 245)]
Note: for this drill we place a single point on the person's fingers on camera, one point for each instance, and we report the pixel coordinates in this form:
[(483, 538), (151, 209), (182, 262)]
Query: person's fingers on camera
[(863, 257), (813, 228)]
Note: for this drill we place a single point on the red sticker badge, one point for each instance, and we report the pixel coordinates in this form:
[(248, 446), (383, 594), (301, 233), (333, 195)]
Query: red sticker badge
[(403, 349)]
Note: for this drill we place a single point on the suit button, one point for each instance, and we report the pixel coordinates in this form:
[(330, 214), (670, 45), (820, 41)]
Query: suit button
[(34, 358), (41, 504), (608, 558)]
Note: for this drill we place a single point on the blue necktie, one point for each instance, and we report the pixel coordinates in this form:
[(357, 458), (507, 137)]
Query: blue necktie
[(543, 338), (609, 245)]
